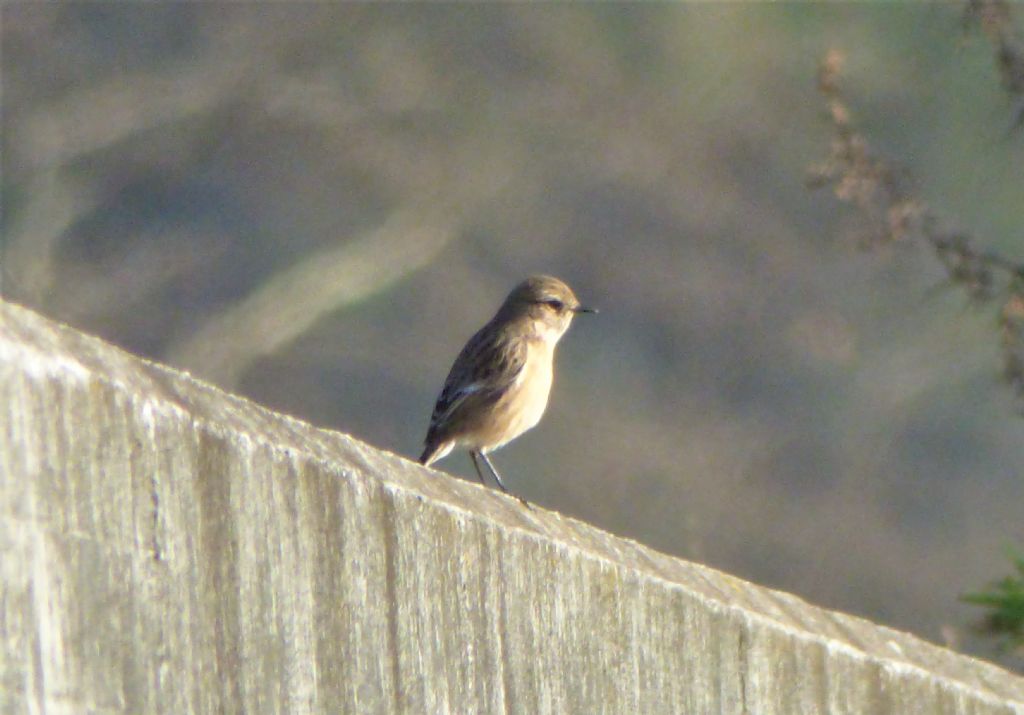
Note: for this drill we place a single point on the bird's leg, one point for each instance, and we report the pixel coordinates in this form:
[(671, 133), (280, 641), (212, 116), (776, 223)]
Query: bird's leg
[(476, 464), (494, 472), (497, 478)]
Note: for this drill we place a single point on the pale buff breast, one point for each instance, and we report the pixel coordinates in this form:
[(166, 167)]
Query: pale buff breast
[(524, 404)]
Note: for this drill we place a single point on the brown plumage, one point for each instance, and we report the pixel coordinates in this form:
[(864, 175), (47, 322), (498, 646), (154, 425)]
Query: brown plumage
[(499, 384)]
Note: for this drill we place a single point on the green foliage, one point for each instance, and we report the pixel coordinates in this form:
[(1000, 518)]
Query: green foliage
[(1005, 601)]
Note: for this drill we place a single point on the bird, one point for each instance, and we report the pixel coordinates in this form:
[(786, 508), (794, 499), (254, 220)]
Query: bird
[(499, 384)]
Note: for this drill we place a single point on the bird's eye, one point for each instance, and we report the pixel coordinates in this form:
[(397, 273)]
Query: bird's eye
[(555, 303)]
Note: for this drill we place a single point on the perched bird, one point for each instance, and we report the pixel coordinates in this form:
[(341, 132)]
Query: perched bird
[(498, 387)]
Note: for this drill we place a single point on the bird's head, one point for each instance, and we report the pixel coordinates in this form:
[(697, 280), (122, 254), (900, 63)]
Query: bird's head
[(546, 302)]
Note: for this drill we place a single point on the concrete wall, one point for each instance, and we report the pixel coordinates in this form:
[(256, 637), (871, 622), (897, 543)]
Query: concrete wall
[(168, 548)]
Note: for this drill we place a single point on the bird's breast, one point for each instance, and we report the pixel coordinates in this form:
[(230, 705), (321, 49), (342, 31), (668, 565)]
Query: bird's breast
[(535, 383), (524, 404)]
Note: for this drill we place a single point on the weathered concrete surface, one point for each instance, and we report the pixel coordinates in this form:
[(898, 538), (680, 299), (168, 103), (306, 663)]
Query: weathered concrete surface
[(168, 548)]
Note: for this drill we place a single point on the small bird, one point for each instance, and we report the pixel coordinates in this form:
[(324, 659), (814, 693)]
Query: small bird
[(499, 385)]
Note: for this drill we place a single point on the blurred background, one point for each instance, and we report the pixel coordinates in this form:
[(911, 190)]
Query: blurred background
[(315, 205)]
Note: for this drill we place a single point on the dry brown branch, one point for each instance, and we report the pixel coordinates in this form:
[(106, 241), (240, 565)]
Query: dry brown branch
[(883, 197)]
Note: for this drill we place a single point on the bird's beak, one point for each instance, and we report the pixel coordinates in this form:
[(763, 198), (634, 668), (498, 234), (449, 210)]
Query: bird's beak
[(584, 309)]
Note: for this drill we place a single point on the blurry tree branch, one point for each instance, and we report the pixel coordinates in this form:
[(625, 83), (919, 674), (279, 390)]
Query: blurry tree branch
[(53, 202), (292, 300), (88, 120), (884, 199), (96, 117), (341, 276), (93, 117), (52, 137), (995, 19)]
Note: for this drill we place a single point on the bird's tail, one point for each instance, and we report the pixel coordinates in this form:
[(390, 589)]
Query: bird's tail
[(434, 451)]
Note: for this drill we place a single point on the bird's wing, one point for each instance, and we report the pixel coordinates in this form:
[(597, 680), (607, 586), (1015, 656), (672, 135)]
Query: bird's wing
[(483, 371)]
